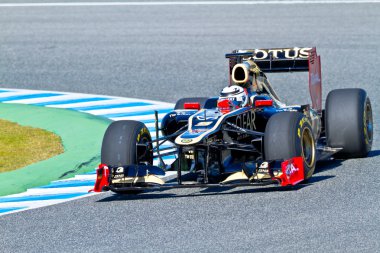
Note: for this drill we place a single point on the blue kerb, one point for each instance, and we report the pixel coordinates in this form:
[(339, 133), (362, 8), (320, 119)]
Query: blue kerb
[(40, 197), (139, 113), (10, 209), (29, 96), (111, 106), (71, 101), (71, 183)]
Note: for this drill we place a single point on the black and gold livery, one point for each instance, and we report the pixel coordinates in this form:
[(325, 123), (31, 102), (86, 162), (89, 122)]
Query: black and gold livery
[(264, 142)]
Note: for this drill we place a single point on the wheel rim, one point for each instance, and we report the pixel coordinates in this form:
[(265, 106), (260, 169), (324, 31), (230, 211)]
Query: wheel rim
[(368, 123), (145, 140), (308, 147)]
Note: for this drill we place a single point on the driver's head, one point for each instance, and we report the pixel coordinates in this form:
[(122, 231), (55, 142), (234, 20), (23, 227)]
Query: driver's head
[(232, 97)]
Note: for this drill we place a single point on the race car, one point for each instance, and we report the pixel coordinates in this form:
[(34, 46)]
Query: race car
[(244, 137)]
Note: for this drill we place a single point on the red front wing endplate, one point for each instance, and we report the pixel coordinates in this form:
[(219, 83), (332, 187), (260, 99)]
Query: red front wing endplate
[(102, 175), (292, 171)]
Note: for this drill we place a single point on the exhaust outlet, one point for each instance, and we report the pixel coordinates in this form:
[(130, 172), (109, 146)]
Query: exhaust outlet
[(240, 72)]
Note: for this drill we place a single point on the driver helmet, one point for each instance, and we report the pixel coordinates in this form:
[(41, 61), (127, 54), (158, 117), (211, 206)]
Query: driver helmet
[(232, 97)]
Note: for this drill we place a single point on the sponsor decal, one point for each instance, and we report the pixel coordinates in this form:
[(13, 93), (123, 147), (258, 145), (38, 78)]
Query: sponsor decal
[(142, 131), (276, 53), (264, 165), (183, 113), (246, 120), (303, 120), (204, 123), (365, 128), (290, 169), (289, 109), (207, 117), (186, 140), (189, 156), (264, 168), (120, 170)]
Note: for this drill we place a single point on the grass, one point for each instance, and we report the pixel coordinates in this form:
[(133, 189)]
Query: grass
[(21, 145)]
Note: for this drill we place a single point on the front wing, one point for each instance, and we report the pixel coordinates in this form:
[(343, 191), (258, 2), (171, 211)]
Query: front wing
[(291, 172)]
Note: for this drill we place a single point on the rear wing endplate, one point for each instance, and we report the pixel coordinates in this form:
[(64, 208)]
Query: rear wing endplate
[(276, 60)]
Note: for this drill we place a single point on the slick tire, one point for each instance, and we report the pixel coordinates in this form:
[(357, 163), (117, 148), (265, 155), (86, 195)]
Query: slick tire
[(288, 135), (349, 123), (119, 144), (205, 102)]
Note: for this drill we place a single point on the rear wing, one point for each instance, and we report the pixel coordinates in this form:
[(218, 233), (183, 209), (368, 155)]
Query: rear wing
[(285, 60), (275, 59)]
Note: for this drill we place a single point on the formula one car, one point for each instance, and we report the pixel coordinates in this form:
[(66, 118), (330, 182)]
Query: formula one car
[(244, 137)]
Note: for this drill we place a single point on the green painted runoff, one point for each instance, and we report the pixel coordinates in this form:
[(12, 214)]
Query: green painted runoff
[(81, 136)]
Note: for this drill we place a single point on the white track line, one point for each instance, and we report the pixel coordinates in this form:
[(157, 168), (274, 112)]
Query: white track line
[(129, 109), (62, 97), (37, 204), (82, 104), (140, 118), (113, 99), (46, 191), (163, 3), (110, 102), (81, 177), (22, 92), (33, 204)]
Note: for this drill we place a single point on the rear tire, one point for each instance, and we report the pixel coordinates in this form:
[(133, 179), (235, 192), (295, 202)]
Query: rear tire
[(119, 144), (288, 135), (349, 123)]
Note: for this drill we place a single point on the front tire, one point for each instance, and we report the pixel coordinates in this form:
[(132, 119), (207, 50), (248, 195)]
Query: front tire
[(349, 123), (119, 144), (288, 135)]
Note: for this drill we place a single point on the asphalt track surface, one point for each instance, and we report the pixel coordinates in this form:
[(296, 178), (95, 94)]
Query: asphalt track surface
[(168, 52)]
